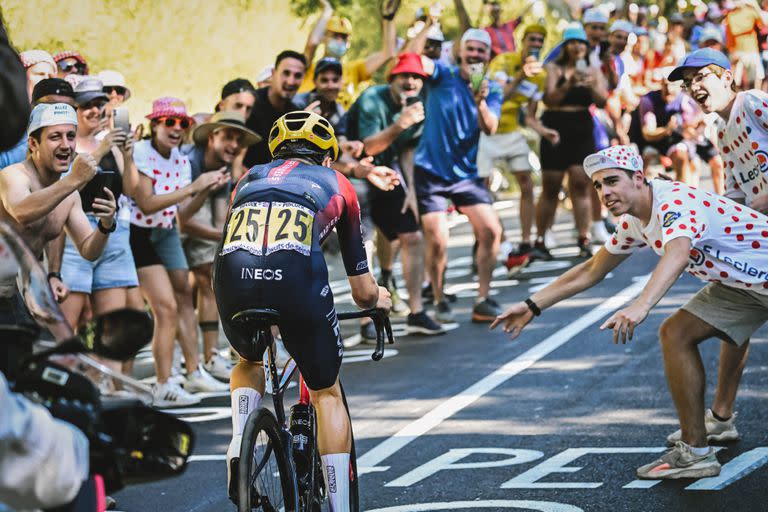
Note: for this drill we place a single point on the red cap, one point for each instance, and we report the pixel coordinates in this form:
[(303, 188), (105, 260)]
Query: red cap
[(408, 63)]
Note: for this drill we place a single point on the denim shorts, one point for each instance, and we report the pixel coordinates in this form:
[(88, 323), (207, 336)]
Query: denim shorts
[(113, 269), (433, 192), (157, 246)]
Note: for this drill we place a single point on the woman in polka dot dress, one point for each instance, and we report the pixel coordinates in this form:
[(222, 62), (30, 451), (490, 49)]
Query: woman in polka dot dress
[(710, 237), (164, 185)]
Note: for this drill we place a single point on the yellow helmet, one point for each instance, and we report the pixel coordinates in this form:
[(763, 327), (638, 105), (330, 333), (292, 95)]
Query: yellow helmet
[(296, 132), (339, 25)]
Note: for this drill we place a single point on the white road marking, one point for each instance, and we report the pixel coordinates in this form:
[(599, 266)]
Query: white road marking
[(448, 408), (734, 470), (542, 506)]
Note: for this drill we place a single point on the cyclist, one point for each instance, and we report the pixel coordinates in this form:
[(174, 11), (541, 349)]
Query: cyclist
[(270, 257)]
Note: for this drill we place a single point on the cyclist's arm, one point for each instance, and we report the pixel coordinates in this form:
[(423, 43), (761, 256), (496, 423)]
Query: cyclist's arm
[(579, 278)]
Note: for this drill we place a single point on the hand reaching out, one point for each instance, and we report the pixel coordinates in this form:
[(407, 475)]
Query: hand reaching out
[(515, 318)]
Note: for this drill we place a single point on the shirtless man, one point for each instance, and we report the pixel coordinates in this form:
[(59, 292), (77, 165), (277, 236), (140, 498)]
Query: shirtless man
[(38, 202)]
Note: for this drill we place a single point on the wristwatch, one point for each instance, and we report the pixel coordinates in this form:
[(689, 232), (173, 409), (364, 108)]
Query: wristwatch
[(57, 275), (104, 230)]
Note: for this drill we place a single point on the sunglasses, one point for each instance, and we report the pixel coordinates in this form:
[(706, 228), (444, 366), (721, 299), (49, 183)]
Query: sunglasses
[(77, 66), (174, 122), (118, 89)]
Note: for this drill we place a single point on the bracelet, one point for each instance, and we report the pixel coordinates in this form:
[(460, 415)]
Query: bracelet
[(104, 230), (57, 275), (533, 307)]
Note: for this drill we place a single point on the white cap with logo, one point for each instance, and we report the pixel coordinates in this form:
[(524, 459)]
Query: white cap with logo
[(51, 115), (476, 34), (615, 157)]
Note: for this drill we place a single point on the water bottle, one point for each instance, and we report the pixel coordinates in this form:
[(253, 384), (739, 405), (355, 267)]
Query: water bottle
[(302, 430)]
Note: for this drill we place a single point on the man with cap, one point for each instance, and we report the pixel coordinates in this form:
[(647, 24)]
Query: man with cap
[(388, 119), (48, 90), (711, 37), (328, 82), (217, 143), (39, 203), (742, 139), (237, 95), (708, 236), (70, 63), (335, 32), (523, 78), (461, 104)]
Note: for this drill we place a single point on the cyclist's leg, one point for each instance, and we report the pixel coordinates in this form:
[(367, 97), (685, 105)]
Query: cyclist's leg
[(334, 441)]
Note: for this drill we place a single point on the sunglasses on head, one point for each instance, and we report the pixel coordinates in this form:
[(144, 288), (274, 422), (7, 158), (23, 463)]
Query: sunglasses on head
[(174, 122), (116, 88), (66, 66)]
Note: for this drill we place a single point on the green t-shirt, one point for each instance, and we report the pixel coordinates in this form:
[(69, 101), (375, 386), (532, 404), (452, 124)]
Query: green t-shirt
[(373, 112)]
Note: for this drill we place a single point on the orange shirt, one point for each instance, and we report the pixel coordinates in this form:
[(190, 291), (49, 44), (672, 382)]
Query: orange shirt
[(741, 27)]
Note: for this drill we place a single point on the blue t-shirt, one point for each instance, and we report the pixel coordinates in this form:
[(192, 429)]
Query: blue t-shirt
[(16, 154), (448, 146)]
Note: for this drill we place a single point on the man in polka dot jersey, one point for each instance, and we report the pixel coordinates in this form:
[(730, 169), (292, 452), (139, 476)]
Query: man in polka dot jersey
[(711, 237)]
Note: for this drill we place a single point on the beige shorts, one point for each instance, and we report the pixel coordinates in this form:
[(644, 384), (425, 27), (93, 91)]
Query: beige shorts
[(199, 251), (750, 64), (737, 313), (504, 151)]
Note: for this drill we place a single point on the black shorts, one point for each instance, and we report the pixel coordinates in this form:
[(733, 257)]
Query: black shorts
[(577, 139), (385, 212), (294, 285), (706, 150)]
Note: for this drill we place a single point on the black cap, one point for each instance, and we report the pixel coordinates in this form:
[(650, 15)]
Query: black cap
[(327, 63), (48, 86), (236, 86)]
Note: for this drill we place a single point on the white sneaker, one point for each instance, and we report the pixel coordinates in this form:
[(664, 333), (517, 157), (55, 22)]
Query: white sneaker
[(549, 239), (599, 233), (218, 367), (172, 395), (176, 376), (233, 458), (200, 380)]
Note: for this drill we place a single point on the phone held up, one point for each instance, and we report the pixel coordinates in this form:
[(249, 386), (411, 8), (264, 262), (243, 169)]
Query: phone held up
[(120, 119)]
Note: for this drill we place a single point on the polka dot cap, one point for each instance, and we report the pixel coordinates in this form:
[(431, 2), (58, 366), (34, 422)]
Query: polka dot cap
[(615, 157)]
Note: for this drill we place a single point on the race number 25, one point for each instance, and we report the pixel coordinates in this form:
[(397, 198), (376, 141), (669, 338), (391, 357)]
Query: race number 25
[(262, 228)]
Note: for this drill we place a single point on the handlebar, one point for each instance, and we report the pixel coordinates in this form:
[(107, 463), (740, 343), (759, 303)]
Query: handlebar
[(380, 322)]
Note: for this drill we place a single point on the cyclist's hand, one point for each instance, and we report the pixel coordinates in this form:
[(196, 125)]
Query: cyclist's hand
[(623, 322), (411, 115), (515, 318), (385, 299)]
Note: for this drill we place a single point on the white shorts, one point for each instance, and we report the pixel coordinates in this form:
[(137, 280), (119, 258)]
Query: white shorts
[(504, 151), (750, 64)]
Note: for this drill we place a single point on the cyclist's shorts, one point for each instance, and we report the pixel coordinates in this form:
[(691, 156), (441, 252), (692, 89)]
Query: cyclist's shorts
[(297, 287)]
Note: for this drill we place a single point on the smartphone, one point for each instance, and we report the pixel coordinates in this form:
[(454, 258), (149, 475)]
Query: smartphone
[(95, 188), (410, 100), (581, 65), (604, 46), (476, 75), (120, 119)]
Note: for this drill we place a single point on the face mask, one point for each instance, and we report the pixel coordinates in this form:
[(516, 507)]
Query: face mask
[(336, 48)]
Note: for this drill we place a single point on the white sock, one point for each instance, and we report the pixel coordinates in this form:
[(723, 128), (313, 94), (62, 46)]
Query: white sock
[(336, 472), (244, 400), (699, 451)]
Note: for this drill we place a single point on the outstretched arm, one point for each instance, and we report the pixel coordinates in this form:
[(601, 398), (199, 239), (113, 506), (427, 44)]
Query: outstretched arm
[(318, 32)]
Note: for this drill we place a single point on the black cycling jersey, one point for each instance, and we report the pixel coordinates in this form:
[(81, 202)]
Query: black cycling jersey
[(270, 257)]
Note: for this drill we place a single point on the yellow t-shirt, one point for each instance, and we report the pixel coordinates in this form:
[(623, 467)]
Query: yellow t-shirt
[(355, 76), (742, 25), (511, 64)]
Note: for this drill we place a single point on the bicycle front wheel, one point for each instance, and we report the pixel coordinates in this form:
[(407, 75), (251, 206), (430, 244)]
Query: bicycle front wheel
[(266, 480)]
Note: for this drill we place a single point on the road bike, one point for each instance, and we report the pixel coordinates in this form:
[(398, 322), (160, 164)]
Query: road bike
[(279, 468)]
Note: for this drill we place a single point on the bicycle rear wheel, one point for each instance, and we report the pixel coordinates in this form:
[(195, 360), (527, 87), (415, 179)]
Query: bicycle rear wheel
[(266, 480)]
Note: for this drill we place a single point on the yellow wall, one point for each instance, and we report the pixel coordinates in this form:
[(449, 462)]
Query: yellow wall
[(183, 48)]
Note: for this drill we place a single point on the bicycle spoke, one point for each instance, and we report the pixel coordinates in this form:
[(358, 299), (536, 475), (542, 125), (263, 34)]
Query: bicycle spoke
[(265, 483)]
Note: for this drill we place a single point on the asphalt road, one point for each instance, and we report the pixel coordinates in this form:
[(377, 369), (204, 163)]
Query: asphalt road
[(557, 420)]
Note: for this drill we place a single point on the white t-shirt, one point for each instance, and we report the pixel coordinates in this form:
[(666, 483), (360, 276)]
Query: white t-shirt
[(167, 174), (743, 144), (729, 241)]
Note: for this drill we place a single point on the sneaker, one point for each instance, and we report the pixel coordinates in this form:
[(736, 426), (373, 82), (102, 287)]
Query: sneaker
[(421, 323), (233, 459), (540, 252), (172, 395), (518, 257), (585, 250), (486, 310), (176, 376), (399, 307), (201, 380), (218, 367), (599, 232), (368, 332), (427, 295), (443, 313), (681, 462), (717, 431)]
